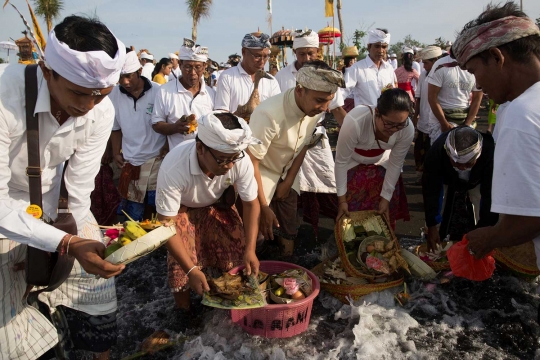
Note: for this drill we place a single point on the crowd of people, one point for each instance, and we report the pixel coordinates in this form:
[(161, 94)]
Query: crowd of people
[(225, 158)]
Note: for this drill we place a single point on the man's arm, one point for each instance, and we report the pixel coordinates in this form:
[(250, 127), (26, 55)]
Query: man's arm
[(475, 105), (179, 127), (416, 112), (251, 213), (510, 230), (116, 143), (433, 99), (284, 187)]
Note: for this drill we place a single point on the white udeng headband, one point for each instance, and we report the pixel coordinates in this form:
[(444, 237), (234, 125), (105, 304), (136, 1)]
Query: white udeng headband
[(132, 63), (378, 36), (465, 156), (214, 135), (91, 69)]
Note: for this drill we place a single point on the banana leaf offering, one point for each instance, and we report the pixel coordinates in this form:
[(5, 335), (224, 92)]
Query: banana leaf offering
[(237, 291)]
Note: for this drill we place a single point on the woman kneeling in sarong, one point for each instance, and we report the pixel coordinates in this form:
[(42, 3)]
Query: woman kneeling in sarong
[(371, 149), (195, 189)]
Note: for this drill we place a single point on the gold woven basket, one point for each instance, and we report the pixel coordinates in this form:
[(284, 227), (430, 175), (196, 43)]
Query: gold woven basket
[(435, 265), (520, 259), (357, 217), (342, 292)]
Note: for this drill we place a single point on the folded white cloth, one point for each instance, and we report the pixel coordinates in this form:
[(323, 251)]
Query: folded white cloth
[(305, 39), (378, 36), (132, 63), (190, 51)]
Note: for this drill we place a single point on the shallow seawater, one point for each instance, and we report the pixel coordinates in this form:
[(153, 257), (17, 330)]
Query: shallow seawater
[(494, 319)]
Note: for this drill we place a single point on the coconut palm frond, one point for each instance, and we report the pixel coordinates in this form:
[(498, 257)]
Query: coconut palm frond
[(199, 8), (49, 8)]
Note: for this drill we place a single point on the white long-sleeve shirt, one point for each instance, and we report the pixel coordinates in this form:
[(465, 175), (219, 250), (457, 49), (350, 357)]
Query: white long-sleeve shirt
[(82, 140), (357, 133), (366, 81)]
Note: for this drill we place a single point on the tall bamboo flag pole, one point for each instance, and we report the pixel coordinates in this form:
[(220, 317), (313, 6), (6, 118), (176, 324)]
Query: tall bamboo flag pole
[(334, 33)]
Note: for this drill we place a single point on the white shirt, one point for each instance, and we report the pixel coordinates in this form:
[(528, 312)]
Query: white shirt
[(173, 101), (516, 189), (175, 74), (366, 81), (456, 86), (394, 63), (357, 133), (235, 87), (416, 65), (140, 142), (147, 71), (286, 79), (82, 140), (182, 182), (425, 109)]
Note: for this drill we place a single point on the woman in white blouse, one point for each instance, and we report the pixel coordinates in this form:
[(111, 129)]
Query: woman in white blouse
[(371, 149)]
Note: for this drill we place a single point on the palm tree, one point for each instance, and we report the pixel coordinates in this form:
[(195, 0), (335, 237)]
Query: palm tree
[(49, 10), (198, 9), (340, 20)]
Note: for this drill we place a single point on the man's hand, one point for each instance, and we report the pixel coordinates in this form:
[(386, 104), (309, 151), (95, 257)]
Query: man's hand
[(446, 126), (480, 242), (433, 238), (89, 253), (282, 191), (197, 281), (384, 208), (252, 263), (182, 125), (343, 209), (119, 160), (267, 222), (107, 157)]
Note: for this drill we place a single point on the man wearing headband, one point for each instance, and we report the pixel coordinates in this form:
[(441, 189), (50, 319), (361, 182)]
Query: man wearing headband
[(137, 148), (175, 72), (189, 95), (449, 96), (422, 110), (393, 61), (82, 65), (285, 125), (236, 85), (502, 49), (367, 77), (196, 189), (147, 62), (461, 160)]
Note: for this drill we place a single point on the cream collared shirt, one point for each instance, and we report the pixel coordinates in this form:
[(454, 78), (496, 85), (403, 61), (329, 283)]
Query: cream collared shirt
[(366, 81), (283, 129), (82, 140), (235, 87), (174, 101)]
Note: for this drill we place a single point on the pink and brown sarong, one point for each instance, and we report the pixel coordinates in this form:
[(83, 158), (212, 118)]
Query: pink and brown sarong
[(213, 236)]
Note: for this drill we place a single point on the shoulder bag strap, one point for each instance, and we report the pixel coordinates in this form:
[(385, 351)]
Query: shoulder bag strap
[(33, 171)]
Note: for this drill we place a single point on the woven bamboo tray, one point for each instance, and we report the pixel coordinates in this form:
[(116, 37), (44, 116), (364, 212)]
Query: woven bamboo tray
[(520, 259), (435, 265), (357, 217), (342, 292)]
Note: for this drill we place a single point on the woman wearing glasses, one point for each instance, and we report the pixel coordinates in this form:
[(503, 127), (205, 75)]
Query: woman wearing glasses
[(371, 149)]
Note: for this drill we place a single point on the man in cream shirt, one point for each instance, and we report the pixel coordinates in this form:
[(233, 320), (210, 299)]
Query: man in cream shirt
[(285, 124)]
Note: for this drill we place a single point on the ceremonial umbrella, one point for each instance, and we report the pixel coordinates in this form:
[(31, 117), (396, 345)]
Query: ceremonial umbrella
[(7, 46), (327, 36), (282, 39)]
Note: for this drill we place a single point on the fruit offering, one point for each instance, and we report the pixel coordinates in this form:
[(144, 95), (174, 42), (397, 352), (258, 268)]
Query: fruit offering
[(291, 285), (192, 123), (131, 231), (151, 224)]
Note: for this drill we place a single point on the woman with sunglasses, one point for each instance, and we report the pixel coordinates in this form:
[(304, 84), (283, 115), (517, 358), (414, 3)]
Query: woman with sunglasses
[(371, 149)]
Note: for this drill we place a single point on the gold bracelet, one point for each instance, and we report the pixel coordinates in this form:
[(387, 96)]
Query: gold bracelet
[(194, 266)]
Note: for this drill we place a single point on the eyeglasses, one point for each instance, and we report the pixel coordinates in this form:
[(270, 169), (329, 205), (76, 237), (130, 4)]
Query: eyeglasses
[(391, 125), (259, 57), (221, 162), (189, 68)]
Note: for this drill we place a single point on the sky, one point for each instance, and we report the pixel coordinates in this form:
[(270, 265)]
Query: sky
[(160, 26)]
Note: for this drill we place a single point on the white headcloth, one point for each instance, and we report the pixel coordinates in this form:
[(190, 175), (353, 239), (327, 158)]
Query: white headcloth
[(378, 36), (189, 51), (214, 135), (90, 69), (466, 155), (145, 55), (132, 63), (173, 56), (305, 39)]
